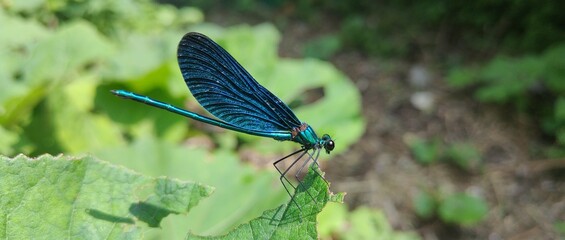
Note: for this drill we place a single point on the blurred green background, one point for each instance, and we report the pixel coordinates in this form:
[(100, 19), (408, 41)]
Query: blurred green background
[(390, 81)]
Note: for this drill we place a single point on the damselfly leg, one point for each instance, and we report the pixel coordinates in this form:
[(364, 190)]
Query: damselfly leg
[(284, 180), (301, 153), (314, 161)]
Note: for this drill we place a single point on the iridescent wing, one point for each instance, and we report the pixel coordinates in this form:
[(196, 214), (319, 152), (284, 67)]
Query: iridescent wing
[(226, 90)]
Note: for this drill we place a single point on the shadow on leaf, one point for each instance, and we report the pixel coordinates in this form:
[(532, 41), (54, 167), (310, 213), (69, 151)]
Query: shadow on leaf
[(148, 213), (108, 217)]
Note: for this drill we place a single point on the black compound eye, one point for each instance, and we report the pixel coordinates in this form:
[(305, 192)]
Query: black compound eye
[(330, 145)]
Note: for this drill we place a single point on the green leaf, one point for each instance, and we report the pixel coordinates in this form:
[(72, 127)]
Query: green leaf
[(287, 221), (462, 209), (249, 191), (81, 198)]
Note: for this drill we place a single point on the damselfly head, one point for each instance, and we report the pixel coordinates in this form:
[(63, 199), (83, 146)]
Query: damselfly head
[(328, 143)]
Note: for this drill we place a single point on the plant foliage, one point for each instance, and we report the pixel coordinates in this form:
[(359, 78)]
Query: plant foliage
[(87, 198), (60, 59), (64, 197)]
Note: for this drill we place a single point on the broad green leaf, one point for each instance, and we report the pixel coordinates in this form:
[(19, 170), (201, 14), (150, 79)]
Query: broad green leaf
[(83, 198), (242, 192), (288, 221)]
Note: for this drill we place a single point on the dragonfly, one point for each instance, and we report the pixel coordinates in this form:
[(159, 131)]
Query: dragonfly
[(226, 90)]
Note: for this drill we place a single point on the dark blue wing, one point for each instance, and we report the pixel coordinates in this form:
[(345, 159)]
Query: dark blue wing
[(226, 90)]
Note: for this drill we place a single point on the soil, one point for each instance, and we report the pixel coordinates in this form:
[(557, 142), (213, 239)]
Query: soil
[(524, 196)]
